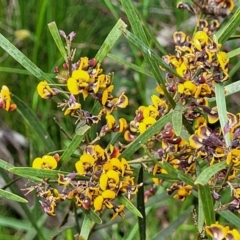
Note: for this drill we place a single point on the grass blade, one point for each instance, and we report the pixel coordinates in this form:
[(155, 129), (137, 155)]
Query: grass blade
[(129, 65), (5, 165), (225, 32), (86, 227), (208, 172), (141, 207), (92, 216), (232, 88), (74, 144), (177, 118), (222, 110), (57, 39), (230, 217), (23, 60), (129, 205), (34, 123), (207, 202), (29, 172), (111, 39), (11, 196)]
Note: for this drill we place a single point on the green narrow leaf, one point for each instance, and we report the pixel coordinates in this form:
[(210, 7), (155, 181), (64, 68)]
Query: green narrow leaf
[(225, 32), (86, 227), (173, 226), (208, 172), (222, 110), (34, 123), (230, 217), (92, 216), (111, 39), (141, 207), (205, 194), (175, 172), (57, 39), (142, 138), (233, 53), (5, 165), (177, 118), (129, 65), (11, 196), (38, 174), (153, 57), (200, 221), (129, 205), (74, 144), (232, 88), (23, 60), (15, 223)]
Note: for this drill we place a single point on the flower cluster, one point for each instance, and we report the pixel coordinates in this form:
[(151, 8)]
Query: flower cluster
[(199, 64), (216, 8), (220, 232), (146, 116), (107, 176), (86, 78), (5, 99)]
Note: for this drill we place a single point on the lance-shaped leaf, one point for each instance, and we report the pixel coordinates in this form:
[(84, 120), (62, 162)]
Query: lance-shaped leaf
[(177, 117), (208, 172), (207, 202), (222, 110), (23, 60), (11, 196), (129, 205), (225, 32), (92, 216), (57, 39), (86, 227), (111, 39)]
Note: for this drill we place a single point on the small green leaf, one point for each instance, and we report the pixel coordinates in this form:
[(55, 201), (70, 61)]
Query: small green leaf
[(111, 39), (34, 123), (57, 39), (208, 172), (11, 196), (233, 53), (81, 129), (129, 205), (207, 201), (86, 227), (5, 165), (222, 110), (74, 144), (200, 222), (37, 174), (225, 32), (232, 88), (92, 216), (141, 206), (173, 226), (230, 217), (177, 118)]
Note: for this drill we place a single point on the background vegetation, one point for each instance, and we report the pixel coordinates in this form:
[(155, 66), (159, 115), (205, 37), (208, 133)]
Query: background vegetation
[(92, 21)]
